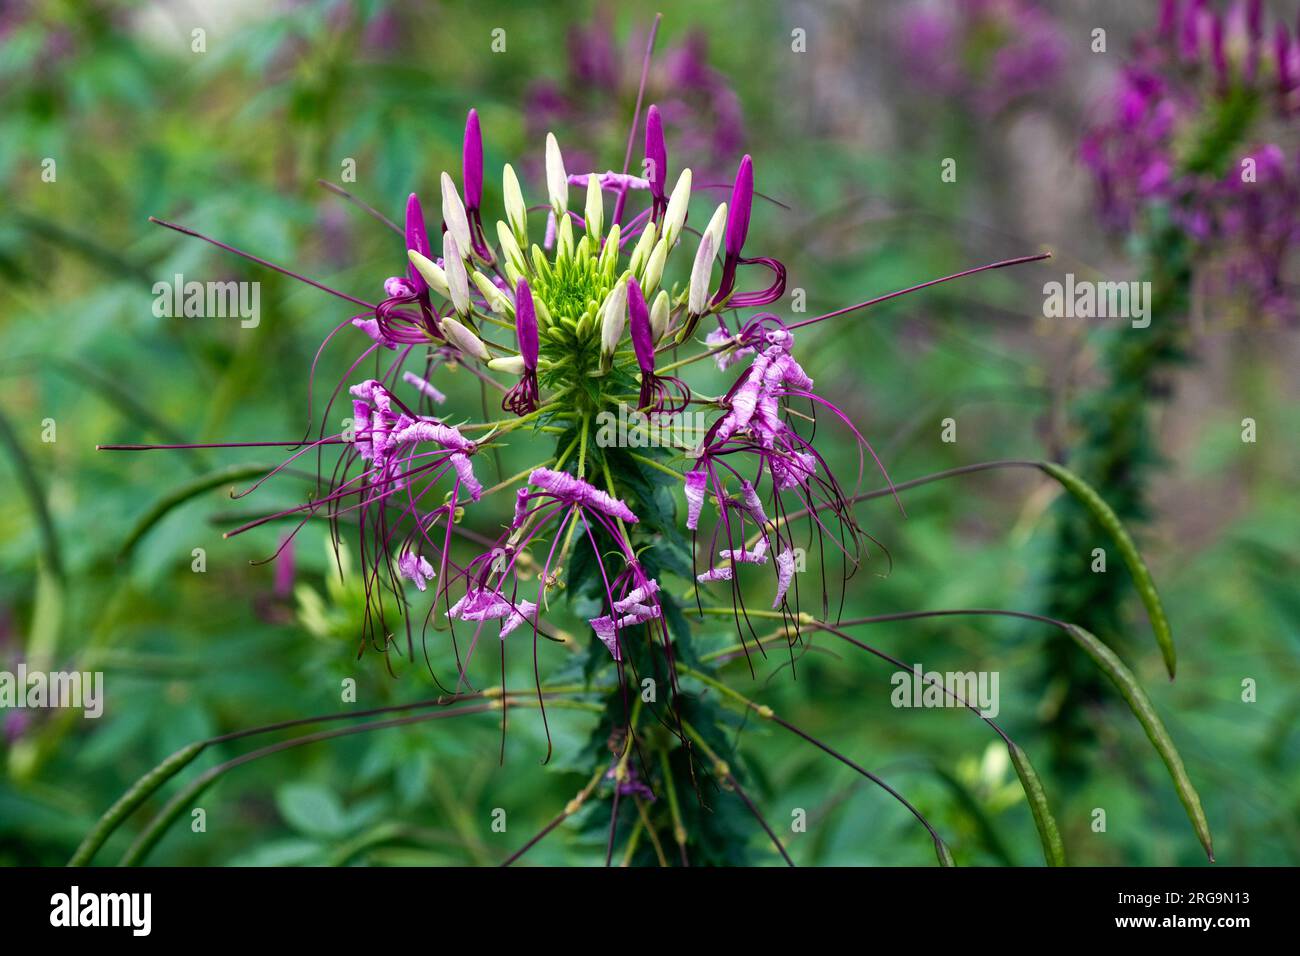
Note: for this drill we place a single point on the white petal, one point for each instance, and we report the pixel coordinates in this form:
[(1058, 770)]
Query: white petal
[(453, 214), (431, 271), (557, 180), (614, 318), (595, 211), (457, 277), (516, 208), (464, 339), (675, 216), (701, 272)]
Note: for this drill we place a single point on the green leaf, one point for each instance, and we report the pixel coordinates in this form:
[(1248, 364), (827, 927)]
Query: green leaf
[(31, 487), (312, 809)]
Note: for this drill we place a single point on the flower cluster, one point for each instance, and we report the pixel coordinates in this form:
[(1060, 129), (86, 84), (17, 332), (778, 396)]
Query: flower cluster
[(567, 329), (990, 53), (1199, 129), (591, 102)]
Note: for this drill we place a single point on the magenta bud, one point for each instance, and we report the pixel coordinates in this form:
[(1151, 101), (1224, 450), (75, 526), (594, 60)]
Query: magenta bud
[(1168, 17), (417, 238), (1282, 53), (284, 568), (1255, 18), (526, 324), (639, 326), (472, 162), (1216, 50), (656, 152), (742, 197), (1190, 38)]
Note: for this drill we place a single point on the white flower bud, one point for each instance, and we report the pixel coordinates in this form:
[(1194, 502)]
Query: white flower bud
[(511, 364), (457, 277), (557, 180), (609, 251), (516, 209), (717, 224), (464, 339), (645, 242), (654, 267), (675, 215), (510, 250), (431, 272), (453, 214), (564, 239), (497, 300), (697, 301), (543, 314), (613, 318), (660, 313), (595, 211)]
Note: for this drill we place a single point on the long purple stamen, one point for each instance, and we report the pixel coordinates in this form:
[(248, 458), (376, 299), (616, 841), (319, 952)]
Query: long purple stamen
[(262, 262)]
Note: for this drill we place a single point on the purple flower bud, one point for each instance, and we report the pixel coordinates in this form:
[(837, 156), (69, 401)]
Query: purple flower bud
[(1190, 41), (526, 323), (1216, 51), (472, 163), (1282, 54), (417, 238), (284, 568), (639, 320), (1168, 17), (742, 197), (656, 152)]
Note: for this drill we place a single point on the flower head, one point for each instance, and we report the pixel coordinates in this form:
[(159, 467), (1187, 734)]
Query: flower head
[(581, 322)]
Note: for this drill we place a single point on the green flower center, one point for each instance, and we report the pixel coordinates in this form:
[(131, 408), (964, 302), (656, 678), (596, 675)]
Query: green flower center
[(574, 289)]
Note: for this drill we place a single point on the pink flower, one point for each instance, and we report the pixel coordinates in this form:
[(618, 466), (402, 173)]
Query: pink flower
[(415, 567)]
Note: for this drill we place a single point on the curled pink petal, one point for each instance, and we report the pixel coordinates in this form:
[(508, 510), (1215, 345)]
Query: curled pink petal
[(607, 632), (715, 574), (695, 483), (784, 574)]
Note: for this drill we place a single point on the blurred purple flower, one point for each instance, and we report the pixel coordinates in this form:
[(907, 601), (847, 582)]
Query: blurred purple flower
[(988, 53), (1190, 131), (591, 104)]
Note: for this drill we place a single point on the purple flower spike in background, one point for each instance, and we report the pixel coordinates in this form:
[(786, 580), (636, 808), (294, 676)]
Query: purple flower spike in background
[(1194, 136), (988, 54), (697, 106)]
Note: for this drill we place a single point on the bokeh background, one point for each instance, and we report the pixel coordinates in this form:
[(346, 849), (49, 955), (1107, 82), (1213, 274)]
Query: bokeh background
[(849, 137)]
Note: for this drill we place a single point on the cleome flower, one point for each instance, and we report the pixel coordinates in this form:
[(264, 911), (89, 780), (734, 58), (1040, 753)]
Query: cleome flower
[(596, 311), (569, 323)]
